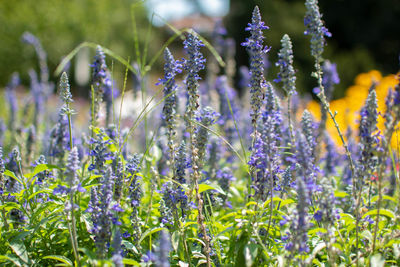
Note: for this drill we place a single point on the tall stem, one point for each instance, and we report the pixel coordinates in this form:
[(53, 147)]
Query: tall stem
[(74, 237)]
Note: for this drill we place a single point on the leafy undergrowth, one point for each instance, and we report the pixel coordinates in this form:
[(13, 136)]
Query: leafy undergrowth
[(249, 185)]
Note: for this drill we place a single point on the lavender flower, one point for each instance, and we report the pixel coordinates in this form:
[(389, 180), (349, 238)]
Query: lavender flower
[(59, 138), (330, 77), (181, 164), (369, 142), (135, 193), (327, 214), (171, 68), (316, 29), (286, 73), (161, 253), (102, 86), (2, 170), (207, 117), (119, 177), (65, 92), (38, 97), (31, 39), (12, 100), (12, 185), (226, 93), (265, 157), (299, 226), (100, 152), (306, 161), (256, 50), (308, 129), (71, 169), (174, 203), (101, 211), (272, 109), (117, 253), (30, 142), (331, 158), (193, 65), (3, 129)]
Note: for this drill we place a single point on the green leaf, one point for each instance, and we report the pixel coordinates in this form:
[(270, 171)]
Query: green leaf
[(250, 254), (175, 240), (150, 232), (341, 194), (19, 248), (12, 175), (4, 258), (39, 192), (205, 187), (63, 259), (129, 245), (384, 212), (130, 262), (274, 199), (9, 206), (385, 197), (317, 230)]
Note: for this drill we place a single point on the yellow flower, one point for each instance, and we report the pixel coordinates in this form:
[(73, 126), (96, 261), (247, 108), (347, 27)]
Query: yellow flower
[(348, 107)]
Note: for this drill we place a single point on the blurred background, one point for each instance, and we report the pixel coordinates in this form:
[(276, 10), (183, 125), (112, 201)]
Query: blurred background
[(365, 34)]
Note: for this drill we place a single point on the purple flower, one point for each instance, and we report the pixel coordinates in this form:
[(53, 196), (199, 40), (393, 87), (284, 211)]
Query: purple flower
[(193, 65), (286, 73), (256, 50), (12, 100), (171, 68), (102, 85), (117, 249), (316, 29), (161, 253)]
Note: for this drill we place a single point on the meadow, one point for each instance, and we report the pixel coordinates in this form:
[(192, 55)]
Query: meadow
[(199, 176)]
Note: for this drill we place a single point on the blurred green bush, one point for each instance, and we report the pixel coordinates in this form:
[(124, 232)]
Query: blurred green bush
[(63, 24)]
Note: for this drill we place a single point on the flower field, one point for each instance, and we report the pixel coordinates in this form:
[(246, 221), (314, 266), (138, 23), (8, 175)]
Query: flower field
[(199, 176)]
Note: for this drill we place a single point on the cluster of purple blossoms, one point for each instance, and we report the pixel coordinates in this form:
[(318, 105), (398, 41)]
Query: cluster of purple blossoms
[(2, 170), (59, 139), (171, 68), (135, 193), (332, 158), (161, 253), (327, 214), (227, 107), (305, 159), (100, 152), (298, 237), (175, 203), (265, 158), (71, 168), (12, 185), (369, 141), (103, 213), (102, 86), (193, 65), (65, 92), (117, 249), (38, 96), (308, 127), (316, 29), (181, 164), (286, 73), (207, 117), (256, 50), (330, 77), (12, 100)]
